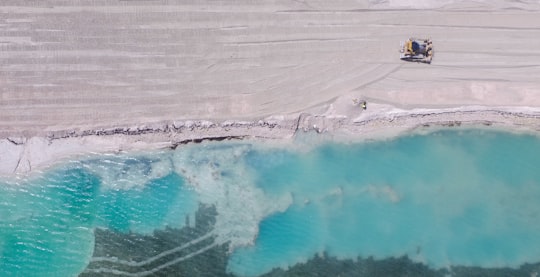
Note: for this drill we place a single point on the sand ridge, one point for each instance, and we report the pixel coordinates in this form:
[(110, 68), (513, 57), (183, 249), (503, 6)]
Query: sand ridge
[(344, 121)]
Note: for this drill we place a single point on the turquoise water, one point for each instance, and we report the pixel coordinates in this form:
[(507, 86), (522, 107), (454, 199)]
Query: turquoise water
[(461, 197), (47, 222)]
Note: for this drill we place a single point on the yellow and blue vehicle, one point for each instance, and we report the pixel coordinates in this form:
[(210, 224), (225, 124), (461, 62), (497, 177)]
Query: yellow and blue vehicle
[(417, 50)]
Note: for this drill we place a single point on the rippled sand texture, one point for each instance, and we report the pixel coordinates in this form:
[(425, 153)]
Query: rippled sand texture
[(73, 64)]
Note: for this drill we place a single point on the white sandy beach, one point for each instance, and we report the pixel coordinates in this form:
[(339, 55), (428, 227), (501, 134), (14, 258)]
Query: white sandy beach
[(107, 76)]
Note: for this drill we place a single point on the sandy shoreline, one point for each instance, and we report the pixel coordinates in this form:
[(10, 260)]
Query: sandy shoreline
[(110, 76), (341, 120)]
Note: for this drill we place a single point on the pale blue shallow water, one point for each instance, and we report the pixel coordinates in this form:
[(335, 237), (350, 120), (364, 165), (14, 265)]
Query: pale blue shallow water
[(466, 197)]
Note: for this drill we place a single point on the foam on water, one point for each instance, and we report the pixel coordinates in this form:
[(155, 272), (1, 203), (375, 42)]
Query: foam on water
[(444, 198), (140, 192), (123, 172), (218, 174)]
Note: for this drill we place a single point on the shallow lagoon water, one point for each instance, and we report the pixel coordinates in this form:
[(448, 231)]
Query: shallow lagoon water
[(447, 198)]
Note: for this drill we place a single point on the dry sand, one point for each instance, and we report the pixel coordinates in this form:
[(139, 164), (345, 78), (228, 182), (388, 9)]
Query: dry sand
[(108, 75)]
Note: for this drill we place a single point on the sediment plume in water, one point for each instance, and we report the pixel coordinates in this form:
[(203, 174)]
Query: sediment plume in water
[(444, 200)]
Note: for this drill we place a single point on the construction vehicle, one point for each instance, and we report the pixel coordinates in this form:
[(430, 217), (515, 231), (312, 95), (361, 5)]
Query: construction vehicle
[(417, 50)]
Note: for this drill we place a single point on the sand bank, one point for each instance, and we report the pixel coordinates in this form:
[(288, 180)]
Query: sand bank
[(125, 75), (341, 119)]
